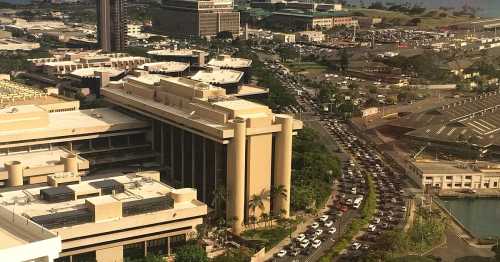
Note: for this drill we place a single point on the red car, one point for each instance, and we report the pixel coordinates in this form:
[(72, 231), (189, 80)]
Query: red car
[(344, 209)]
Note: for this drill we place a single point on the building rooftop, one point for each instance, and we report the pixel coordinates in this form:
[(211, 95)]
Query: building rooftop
[(456, 167), (164, 67), (311, 14), (90, 72), (178, 52), (226, 61), (218, 76), (137, 193), (71, 123)]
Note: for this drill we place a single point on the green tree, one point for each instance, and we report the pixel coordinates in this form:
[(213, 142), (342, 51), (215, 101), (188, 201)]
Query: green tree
[(344, 60), (191, 253)]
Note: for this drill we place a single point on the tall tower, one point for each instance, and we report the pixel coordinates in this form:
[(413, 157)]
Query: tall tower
[(112, 25)]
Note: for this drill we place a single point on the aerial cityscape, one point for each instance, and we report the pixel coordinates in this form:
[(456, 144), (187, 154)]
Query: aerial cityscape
[(249, 131)]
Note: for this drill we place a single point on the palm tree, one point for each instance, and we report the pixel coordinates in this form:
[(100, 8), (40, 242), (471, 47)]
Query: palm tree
[(278, 191), (256, 201), (252, 220)]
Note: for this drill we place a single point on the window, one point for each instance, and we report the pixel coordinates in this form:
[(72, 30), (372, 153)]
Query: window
[(176, 242), (63, 259), (449, 177), (84, 257), (448, 185), (495, 184), (468, 177), (428, 178), (467, 184), (458, 184), (133, 251), (157, 246)]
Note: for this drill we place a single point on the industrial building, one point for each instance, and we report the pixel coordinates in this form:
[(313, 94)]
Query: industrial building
[(469, 127), (112, 23), (207, 139), (197, 18), (105, 218)]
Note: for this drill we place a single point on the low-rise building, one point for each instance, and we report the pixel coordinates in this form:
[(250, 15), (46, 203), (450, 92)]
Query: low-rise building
[(195, 58), (105, 218), (234, 63), (454, 175), (284, 38), (310, 36), (12, 44), (170, 68)]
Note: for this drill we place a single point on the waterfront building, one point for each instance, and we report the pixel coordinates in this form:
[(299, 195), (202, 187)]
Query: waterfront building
[(454, 174), (102, 218), (112, 25), (209, 140)]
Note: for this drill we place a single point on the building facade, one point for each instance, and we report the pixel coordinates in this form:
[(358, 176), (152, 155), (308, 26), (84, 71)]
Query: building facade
[(112, 25), (211, 141), (197, 18)]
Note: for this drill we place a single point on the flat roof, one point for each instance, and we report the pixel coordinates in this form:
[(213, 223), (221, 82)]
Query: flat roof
[(164, 67), (218, 76), (137, 188), (226, 61), (443, 167), (90, 72), (78, 122), (177, 52)]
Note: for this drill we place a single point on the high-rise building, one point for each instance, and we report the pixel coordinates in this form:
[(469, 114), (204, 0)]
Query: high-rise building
[(197, 18), (213, 142), (112, 25)]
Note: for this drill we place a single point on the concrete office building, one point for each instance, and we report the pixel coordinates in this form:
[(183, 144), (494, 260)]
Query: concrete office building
[(39, 132), (103, 219), (230, 80), (112, 25), (197, 18), (209, 140)]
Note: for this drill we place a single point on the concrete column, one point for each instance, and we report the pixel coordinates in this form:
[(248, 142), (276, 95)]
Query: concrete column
[(283, 163), (15, 173), (70, 163), (236, 176)]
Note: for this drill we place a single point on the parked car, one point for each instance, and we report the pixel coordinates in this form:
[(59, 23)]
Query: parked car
[(355, 246), (315, 225), (332, 230)]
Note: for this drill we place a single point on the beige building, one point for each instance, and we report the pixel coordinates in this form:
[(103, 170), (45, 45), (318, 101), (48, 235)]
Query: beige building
[(38, 132), (209, 140), (65, 64), (284, 38), (310, 36), (107, 218), (454, 175), (12, 44)]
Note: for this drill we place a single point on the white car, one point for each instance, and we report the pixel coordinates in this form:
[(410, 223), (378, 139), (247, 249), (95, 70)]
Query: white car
[(282, 253), (304, 243), (403, 209), (316, 243), (356, 205), (329, 223), (323, 218), (318, 232), (332, 230), (315, 225), (371, 228), (356, 245), (301, 237), (376, 220)]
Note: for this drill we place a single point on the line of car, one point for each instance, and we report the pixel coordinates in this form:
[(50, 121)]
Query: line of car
[(366, 161)]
